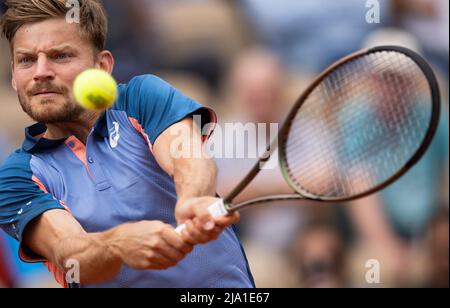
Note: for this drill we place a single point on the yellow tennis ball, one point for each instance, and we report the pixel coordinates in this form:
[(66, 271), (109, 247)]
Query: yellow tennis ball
[(95, 89)]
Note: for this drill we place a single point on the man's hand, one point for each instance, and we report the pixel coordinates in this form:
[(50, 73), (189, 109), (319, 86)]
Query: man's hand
[(201, 227), (58, 237), (148, 245)]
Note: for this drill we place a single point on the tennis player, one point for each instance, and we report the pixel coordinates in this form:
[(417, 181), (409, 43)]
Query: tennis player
[(101, 190)]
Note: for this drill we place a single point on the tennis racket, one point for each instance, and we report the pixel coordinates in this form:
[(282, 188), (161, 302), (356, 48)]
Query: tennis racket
[(362, 124)]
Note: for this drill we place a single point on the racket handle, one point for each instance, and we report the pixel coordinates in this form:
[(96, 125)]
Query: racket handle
[(216, 210)]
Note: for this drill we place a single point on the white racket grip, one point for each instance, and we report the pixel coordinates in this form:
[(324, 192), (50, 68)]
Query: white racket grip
[(216, 210)]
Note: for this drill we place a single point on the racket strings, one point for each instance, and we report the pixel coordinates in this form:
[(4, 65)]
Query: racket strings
[(359, 127)]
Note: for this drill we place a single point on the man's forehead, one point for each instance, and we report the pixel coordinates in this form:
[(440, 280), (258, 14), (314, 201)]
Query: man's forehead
[(47, 35)]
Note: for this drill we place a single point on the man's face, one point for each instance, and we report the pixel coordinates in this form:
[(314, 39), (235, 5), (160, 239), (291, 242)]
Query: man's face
[(47, 57)]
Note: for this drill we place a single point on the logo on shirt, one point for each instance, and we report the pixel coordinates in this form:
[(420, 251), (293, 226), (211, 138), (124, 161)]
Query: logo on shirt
[(114, 135)]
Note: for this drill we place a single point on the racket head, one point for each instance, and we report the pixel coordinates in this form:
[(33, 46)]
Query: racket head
[(395, 70)]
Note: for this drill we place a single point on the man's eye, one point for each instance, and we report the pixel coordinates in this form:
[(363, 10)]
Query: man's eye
[(25, 60), (61, 56)]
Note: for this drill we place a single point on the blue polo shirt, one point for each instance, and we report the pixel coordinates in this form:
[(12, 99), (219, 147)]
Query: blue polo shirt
[(115, 179)]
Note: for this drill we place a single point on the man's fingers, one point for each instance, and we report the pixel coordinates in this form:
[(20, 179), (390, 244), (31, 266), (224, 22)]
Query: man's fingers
[(210, 234), (195, 233), (228, 220), (203, 219), (202, 227), (171, 253), (159, 261), (177, 242), (186, 235)]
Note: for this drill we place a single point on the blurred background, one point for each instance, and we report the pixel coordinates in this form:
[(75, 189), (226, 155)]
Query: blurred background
[(249, 60)]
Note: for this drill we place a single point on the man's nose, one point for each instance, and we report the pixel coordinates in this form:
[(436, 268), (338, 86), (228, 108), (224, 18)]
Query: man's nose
[(44, 70)]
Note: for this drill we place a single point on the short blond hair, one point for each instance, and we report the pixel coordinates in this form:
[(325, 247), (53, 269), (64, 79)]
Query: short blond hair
[(93, 19)]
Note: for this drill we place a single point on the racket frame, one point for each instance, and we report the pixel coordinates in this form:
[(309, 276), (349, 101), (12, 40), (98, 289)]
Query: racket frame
[(280, 142)]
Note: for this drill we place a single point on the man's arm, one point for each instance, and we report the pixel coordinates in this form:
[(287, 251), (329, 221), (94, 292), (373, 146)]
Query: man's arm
[(58, 237), (180, 153)]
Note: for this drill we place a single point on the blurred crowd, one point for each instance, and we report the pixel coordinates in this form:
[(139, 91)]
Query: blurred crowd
[(249, 60)]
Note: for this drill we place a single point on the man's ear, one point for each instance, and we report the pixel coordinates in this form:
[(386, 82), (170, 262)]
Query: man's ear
[(13, 81), (105, 61)]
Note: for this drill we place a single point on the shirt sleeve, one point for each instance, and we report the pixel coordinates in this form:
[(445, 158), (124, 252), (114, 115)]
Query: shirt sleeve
[(156, 105), (22, 199)]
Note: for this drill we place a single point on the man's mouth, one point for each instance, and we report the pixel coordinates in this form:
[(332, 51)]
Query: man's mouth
[(45, 93)]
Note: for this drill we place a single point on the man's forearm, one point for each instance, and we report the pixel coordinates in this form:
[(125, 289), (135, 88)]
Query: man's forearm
[(180, 152), (97, 260), (195, 178), (195, 182), (144, 245)]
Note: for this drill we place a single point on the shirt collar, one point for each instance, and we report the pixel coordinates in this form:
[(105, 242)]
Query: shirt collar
[(101, 127), (33, 142)]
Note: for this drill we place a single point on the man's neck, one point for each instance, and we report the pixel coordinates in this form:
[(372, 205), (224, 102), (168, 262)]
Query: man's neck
[(79, 128)]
